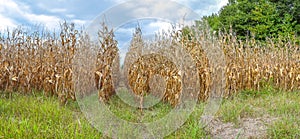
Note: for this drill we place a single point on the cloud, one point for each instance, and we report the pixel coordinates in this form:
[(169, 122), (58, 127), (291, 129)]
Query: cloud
[(158, 26), (11, 10), (213, 8), (58, 10), (132, 10), (6, 22), (221, 3), (204, 7), (201, 7), (50, 13), (79, 22), (14, 12), (50, 22), (7, 8), (70, 15)]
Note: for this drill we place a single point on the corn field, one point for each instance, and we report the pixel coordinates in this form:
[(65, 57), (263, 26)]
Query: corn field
[(43, 61)]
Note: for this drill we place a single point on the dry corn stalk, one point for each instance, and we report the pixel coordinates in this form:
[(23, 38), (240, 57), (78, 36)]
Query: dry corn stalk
[(44, 61), (107, 61)]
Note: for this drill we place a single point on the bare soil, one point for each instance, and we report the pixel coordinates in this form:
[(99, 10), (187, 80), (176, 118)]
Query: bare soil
[(246, 128)]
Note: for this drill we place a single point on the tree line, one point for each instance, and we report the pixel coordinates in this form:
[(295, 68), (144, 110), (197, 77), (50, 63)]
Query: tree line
[(260, 19)]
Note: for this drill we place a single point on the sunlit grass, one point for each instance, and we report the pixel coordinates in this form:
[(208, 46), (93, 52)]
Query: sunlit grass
[(37, 116)]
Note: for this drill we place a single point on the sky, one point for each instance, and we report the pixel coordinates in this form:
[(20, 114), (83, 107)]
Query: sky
[(51, 12), (85, 13)]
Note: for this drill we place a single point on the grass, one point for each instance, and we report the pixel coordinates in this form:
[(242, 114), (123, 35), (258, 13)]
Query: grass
[(28, 116), (42, 117), (282, 105)]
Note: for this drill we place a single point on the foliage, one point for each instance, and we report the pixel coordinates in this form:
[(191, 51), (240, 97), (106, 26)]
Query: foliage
[(261, 19)]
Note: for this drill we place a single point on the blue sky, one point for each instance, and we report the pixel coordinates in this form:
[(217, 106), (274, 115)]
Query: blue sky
[(51, 13), (81, 12)]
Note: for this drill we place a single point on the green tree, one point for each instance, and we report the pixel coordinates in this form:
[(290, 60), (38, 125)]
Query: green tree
[(290, 11), (260, 18)]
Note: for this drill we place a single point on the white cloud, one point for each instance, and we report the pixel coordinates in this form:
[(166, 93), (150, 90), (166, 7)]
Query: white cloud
[(133, 10), (12, 11), (125, 30), (58, 10), (70, 15), (159, 26), (212, 8), (79, 22), (162, 9), (117, 1), (187, 3), (8, 7), (49, 21), (204, 7), (6, 22), (221, 3), (201, 7)]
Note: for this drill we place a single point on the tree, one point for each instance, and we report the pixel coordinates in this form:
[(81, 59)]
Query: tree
[(260, 18), (290, 10)]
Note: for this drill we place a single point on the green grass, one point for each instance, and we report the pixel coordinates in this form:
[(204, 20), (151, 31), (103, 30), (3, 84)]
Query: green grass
[(126, 112), (285, 106), (42, 117), (37, 116)]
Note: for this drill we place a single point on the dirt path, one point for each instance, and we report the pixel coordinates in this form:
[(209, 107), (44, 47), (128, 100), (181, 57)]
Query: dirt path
[(247, 128)]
